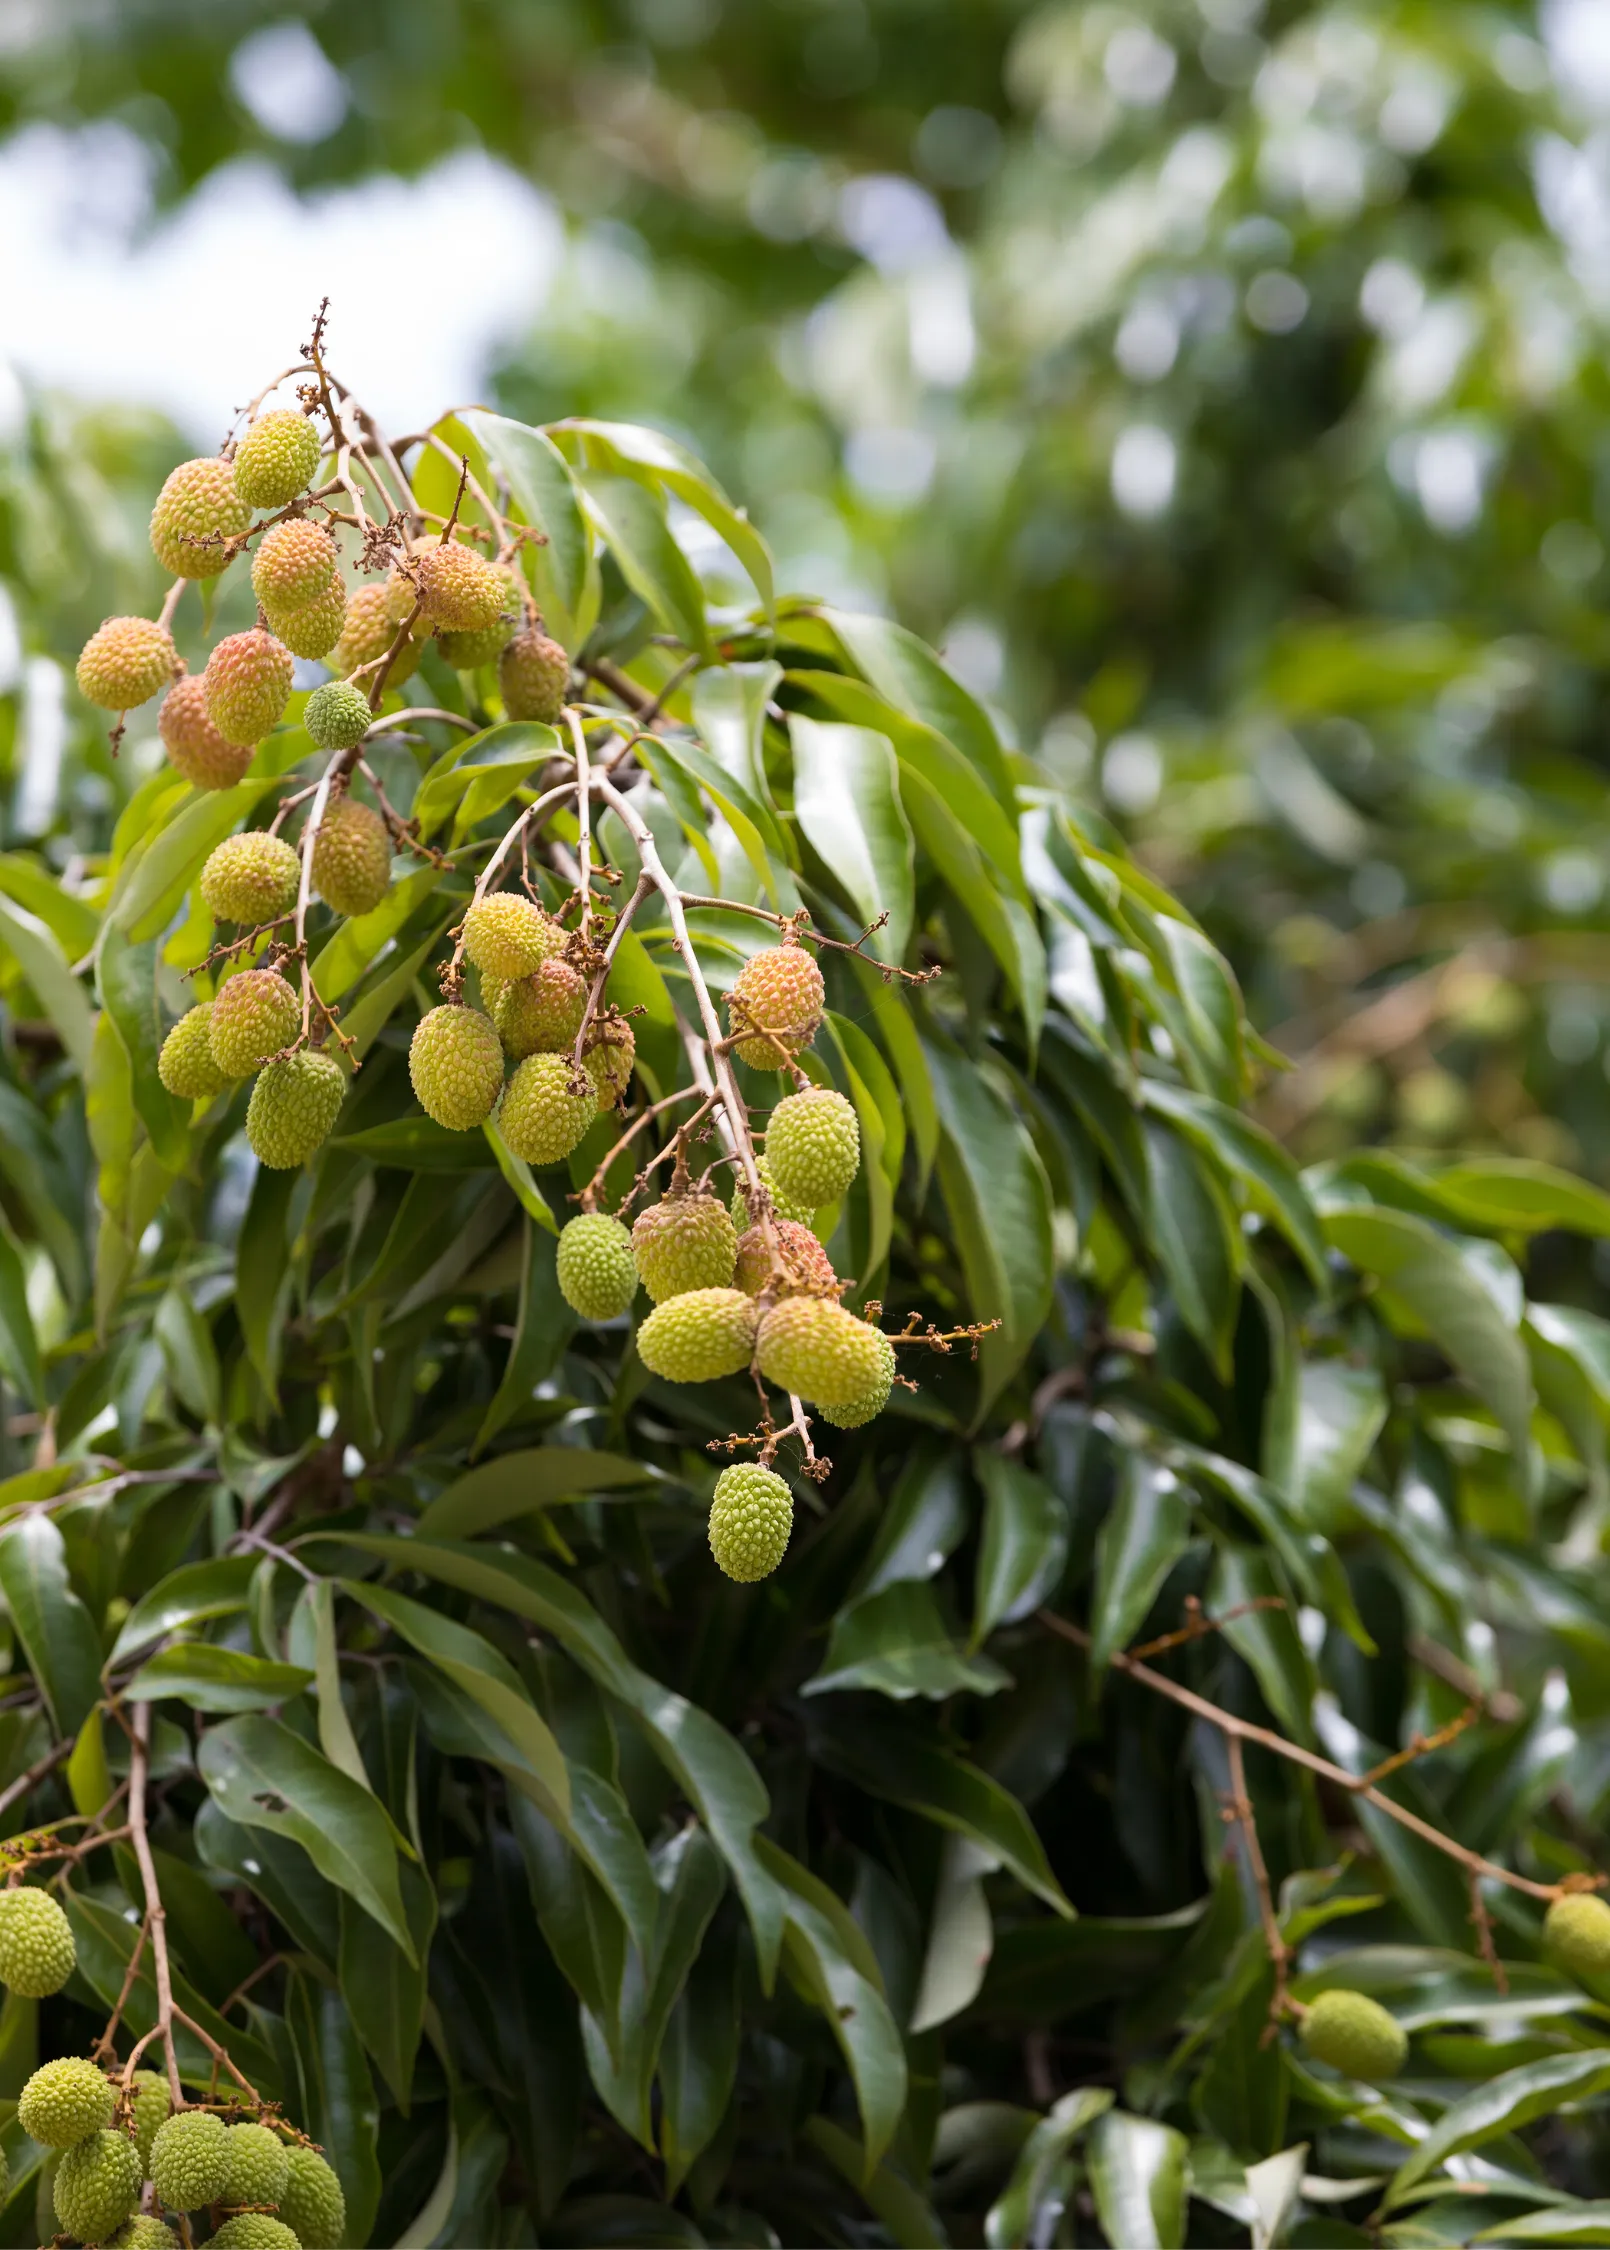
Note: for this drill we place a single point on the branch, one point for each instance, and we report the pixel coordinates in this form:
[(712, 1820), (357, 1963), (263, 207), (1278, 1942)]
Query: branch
[(1239, 1809), (155, 1915), (27, 1782)]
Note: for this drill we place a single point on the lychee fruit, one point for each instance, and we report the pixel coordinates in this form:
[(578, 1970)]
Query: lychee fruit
[(684, 1242), (778, 992), (125, 662), (313, 2205), (782, 1208), (337, 716), (37, 1952), (813, 1146), (456, 1063), (367, 633), (198, 512), (534, 677), (186, 1064), (596, 1272), (314, 629), (818, 1351), (258, 2166), (751, 1516), (352, 857), (508, 936), (251, 879), (276, 459), (293, 1107), (255, 1014), (97, 2186), (195, 748), (1576, 1934), (140, 2231), (296, 562), (540, 1013), (802, 1268), (1355, 2035), (700, 1337), (543, 1116), (467, 652), (253, 2230), (461, 591), (189, 2164), (247, 684), (611, 1057), (66, 2101), (871, 1401), (152, 2103)]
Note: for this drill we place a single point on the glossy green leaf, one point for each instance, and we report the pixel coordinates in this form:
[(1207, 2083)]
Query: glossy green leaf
[(1506, 2103), (1024, 1546), (847, 800), (1020, 2213), (187, 1596), (1143, 1537), (1139, 2176), (895, 1642), (631, 521), (55, 1629), (540, 487), (913, 679), (658, 456), (38, 953), (216, 1679), (517, 1483)]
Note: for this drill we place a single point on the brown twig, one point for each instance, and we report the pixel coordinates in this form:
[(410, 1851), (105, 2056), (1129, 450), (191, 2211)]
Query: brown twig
[(1239, 1809), (155, 1913)]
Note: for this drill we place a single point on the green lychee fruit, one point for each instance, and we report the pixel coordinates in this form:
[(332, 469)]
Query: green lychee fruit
[(367, 634), (1576, 1934), (782, 1208), (543, 1115), (352, 857), (254, 2230), (143, 2232), (461, 591), (873, 1400), (541, 1013), (684, 1242), (276, 459), (813, 1145), (152, 2104), (751, 1516), (189, 2161), (313, 2206), (125, 662), (699, 1337), (255, 1014), (293, 1107), (247, 684), (467, 652), (594, 1266), (66, 2101), (1355, 2035), (250, 879), (97, 2186), (37, 1952), (186, 1065), (778, 992), (198, 511), (817, 1350), (314, 629), (195, 747), (337, 716), (456, 1063), (534, 677), (258, 2165), (801, 1267), (402, 599), (611, 1057), (296, 562), (506, 935)]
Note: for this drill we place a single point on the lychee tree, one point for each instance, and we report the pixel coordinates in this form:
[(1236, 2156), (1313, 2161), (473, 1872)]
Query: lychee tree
[(699, 1544)]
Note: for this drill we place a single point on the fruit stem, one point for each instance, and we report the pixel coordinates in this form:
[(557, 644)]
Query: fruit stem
[(139, 1772)]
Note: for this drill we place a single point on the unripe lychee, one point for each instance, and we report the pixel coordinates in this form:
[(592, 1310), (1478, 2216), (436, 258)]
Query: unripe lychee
[(198, 510), (541, 1013), (253, 2230), (125, 662), (187, 1065), (314, 629), (802, 1268), (456, 1063), (151, 2105), (699, 1337), (751, 1516), (684, 1242), (611, 1057), (820, 1352), (534, 677), (255, 1014), (143, 2232), (594, 1266), (66, 2101), (782, 1208), (1355, 2035), (276, 458), (293, 1106), (1576, 1934), (402, 599), (189, 2163), (543, 1116), (296, 562), (367, 633), (337, 716), (813, 1145), (873, 1400), (467, 652), (97, 2186), (460, 589), (352, 857), (250, 879), (247, 684), (37, 1952), (779, 992), (313, 2206), (508, 936), (258, 2166), (195, 747)]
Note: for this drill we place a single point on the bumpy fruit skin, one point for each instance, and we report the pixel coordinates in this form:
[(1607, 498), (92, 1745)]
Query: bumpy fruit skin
[(337, 715), (152, 2104), (456, 1063), (97, 2186), (782, 1208), (250, 878), (37, 1952), (594, 1266), (778, 991), (197, 509), (1576, 1935), (258, 2166), (508, 936), (1355, 2035), (313, 2206), (276, 458), (541, 1013), (247, 684), (467, 652), (543, 1118), (534, 676), (254, 2230), (187, 1065), (66, 2101), (352, 857), (143, 2232), (124, 663), (871, 1401), (818, 1351), (296, 561), (189, 2163), (813, 1145), (462, 592), (255, 1014), (195, 747), (751, 1516), (611, 1058), (293, 1106), (685, 1242), (367, 633), (804, 1268), (699, 1337), (314, 629)]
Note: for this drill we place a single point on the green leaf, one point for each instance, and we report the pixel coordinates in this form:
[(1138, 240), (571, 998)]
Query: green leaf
[(543, 1325), (1024, 1547), (729, 709), (187, 1596), (1337, 1413), (105, 1938), (55, 1629), (1557, 2225), (1265, 1170), (847, 800), (682, 768), (263, 1272), (1503, 2105), (336, 1738), (19, 1345), (896, 1643), (418, 1144), (189, 1355), (384, 1989), (908, 673), (150, 886), (1143, 1537), (1194, 1234), (652, 453), (562, 570), (1139, 2176), (515, 1484), (338, 2107), (829, 1974), (215, 1679), (1022, 2210), (475, 777), (699, 2055), (1514, 1195), (127, 975), (961, 1937), (38, 954), (631, 520)]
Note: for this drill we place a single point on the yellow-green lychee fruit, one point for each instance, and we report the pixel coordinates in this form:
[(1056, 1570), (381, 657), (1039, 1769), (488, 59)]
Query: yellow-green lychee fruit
[(699, 1337), (751, 1516), (467, 652), (367, 633), (187, 1065), (294, 1104), (801, 1267), (402, 599), (276, 459), (873, 1399), (1355, 2035), (250, 879), (684, 1242), (97, 2186), (817, 1350), (314, 629), (506, 935), (258, 2166), (247, 684), (534, 677), (544, 1115), (151, 2105), (198, 512), (66, 2101), (337, 716), (125, 662), (1576, 1934), (254, 2230), (456, 1063), (461, 591), (778, 993), (189, 2162), (611, 1057), (143, 2232), (594, 1266), (352, 857), (313, 2206), (37, 1952), (782, 1208), (813, 1146), (541, 1013), (195, 747), (296, 562), (255, 1014)]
